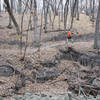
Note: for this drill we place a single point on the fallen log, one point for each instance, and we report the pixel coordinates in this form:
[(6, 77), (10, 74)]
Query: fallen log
[(44, 75), (83, 58), (88, 88)]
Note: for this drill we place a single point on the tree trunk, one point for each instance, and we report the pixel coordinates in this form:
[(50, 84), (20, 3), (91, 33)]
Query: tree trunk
[(90, 14), (86, 7), (45, 14), (10, 21), (62, 11), (35, 18), (59, 10), (77, 10), (97, 34), (19, 6), (65, 14), (73, 13), (0, 8), (93, 10), (31, 5), (59, 17), (12, 16)]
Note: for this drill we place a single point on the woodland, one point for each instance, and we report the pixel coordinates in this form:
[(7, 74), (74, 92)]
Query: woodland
[(37, 57)]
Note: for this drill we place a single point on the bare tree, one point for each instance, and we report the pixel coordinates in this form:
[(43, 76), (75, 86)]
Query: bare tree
[(12, 16), (11, 6), (93, 8), (31, 4), (97, 34), (86, 7), (19, 6), (35, 20), (45, 7), (65, 14), (73, 13), (62, 10), (0, 7), (60, 13), (77, 10), (92, 5)]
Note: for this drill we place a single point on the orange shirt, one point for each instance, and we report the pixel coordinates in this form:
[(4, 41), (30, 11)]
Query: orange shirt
[(69, 34)]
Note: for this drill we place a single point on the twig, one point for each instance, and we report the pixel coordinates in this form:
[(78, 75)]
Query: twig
[(22, 26), (27, 33)]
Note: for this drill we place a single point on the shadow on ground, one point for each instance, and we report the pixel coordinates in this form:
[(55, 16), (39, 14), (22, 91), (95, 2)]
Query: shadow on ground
[(76, 38), (13, 42)]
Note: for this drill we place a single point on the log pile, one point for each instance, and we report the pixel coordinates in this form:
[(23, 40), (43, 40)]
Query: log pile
[(86, 88), (86, 82), (83, 58)]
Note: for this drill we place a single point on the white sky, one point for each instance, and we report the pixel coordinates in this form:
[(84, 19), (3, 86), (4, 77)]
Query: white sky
[(39, 2)]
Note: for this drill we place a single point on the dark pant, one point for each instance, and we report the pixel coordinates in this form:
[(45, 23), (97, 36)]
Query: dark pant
[(69, 37)]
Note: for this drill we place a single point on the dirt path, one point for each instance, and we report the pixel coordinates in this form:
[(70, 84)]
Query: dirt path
[(77, 45), (30, 50)]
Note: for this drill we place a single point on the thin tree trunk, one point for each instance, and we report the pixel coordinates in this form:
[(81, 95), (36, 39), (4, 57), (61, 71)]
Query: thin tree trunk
[(10, 21), (81, 5), (45, 7), (31, 4), (65, 14), (19, 6), (12, 16), (73, 13), (0, 8), (77, 10), (59, 19), (35, 18), (97, 34), (90, 9), (93, 10), (62, 11), (86, 7), (59, 13)]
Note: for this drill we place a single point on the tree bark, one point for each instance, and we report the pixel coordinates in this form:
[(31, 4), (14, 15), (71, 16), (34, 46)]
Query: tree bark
[(97, 34), (77, 10), (11, 6), (19, 6), (73, 13), (0, 7), (45, 5), (93, 9), (86, 7), (65, 14), (62, 11), (35, 18), (12, 16)]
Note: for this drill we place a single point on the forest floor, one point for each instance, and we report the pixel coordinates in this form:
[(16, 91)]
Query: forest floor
[(51, 42)]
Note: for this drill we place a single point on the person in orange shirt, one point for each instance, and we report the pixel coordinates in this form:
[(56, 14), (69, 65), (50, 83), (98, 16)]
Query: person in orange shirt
[(69, 35)]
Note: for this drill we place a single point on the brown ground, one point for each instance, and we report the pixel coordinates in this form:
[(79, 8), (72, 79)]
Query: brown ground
[(10, 54)]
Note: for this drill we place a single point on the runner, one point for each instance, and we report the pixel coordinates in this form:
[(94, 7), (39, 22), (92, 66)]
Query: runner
[(69, 36)]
